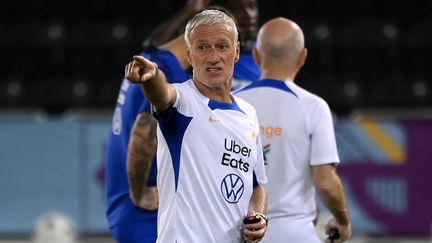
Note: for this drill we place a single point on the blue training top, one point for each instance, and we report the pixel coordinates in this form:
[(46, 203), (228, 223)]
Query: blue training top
[(245, 71), (130, 103)]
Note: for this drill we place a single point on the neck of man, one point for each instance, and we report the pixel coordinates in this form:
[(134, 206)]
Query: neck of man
[(220, 93), (282, 74)]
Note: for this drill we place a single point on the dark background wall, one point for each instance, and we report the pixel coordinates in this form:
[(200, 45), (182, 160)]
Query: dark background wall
[(59, 54)]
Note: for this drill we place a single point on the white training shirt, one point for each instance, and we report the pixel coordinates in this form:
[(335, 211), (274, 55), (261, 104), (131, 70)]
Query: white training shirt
[(297, 132), (209, 154)]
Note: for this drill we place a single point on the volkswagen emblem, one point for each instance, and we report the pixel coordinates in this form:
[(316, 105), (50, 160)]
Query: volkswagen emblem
[(232, 188)]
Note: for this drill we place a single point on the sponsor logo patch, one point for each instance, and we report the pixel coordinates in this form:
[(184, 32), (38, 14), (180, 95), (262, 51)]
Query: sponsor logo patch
[(232, 188)]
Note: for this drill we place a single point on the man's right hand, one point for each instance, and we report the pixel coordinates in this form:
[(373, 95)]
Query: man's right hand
[(140, 70), (344, 230)]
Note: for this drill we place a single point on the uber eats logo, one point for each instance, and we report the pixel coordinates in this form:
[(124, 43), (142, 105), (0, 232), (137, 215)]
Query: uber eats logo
[(233, 155)]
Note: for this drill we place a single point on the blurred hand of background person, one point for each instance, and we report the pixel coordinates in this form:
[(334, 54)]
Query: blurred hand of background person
[(141, 151), (197, 5), (172, 27)]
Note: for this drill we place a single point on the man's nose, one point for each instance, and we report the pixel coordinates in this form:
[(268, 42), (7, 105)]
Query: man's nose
[(214, 56)]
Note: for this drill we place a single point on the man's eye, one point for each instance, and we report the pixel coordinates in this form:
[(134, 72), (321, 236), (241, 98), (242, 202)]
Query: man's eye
[(223, 46), (201, 47)]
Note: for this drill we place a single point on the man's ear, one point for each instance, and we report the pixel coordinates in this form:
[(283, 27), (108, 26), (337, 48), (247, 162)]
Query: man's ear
[(237, 52), (256, 56), (188, 53), (302, 58)]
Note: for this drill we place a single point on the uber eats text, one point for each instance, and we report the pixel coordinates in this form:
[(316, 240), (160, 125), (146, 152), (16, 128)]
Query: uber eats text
[(234, 154)]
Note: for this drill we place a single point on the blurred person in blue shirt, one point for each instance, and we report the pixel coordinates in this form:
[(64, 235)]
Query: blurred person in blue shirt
[(132, 208)]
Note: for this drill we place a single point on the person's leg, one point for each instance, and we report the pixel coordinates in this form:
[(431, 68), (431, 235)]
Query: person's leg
[(140, 232)]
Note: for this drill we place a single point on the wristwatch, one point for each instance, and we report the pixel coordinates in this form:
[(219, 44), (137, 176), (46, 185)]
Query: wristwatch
[(263, 216)]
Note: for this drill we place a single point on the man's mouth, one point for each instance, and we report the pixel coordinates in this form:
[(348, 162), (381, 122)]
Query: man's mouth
[(213, 69)]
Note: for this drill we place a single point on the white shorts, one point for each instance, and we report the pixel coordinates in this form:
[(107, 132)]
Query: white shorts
[(281, 230)]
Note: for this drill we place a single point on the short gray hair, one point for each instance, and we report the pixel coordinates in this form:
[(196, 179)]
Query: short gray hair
[(207, 18)]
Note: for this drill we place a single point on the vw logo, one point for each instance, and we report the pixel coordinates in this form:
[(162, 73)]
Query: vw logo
[(232, 188)]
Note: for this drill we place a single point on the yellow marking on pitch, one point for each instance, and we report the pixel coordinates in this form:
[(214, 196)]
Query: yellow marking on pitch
[(383, 140)]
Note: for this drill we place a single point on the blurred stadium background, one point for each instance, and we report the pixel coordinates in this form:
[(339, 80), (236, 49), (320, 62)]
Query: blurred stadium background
[(61, 64)]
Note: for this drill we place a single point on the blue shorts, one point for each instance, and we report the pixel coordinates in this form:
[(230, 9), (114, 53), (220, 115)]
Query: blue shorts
[(140, 232)]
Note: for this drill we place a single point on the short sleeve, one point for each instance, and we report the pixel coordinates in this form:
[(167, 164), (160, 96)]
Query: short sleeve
[(323, 141)]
